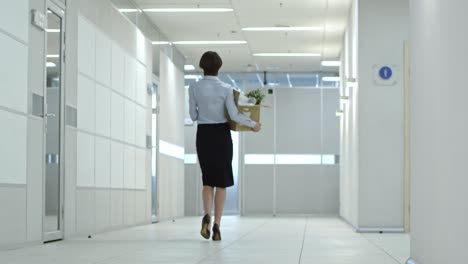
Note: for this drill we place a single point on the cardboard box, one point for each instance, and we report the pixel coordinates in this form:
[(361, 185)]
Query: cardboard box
[(252, 111)]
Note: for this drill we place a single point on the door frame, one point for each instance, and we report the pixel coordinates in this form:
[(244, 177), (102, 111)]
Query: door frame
[(59, 10)]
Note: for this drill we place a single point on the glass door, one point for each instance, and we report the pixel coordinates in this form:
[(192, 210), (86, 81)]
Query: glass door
[(53, 119), (155, 151)]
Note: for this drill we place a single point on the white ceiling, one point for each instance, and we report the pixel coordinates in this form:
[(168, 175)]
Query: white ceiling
[(330, 14)]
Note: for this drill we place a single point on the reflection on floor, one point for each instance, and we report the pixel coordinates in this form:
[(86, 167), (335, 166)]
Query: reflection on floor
[(283, 240)]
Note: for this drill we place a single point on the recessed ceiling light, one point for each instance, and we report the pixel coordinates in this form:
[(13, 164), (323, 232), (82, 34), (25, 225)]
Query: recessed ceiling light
[(331, 63), (331, 79), (209, 42), (53, 30), (129, 10), (287, 54), (178, 10), (51, 64), (189, 67), (53, 55), (283, 29)]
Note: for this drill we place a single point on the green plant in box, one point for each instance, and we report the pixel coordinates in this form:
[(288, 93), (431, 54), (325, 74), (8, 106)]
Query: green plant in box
[(257, 94)]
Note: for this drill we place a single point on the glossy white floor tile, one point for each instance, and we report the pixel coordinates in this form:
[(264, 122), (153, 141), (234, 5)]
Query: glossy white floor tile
[(282, 240)]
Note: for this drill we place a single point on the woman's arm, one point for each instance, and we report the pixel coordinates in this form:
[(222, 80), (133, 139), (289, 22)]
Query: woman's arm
[(192, 105), (234, 113)]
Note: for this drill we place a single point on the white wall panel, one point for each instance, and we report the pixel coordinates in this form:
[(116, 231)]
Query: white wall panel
[(103, 58), (13, 215), (13, 150), (140, 168), (117, 117), (86, 104), (13, 73), (116, 208), (85, 160), (103, 158), (130, 77), (331, 123), (85, 211), (141, 43), (35, 191), (130, 123), (102, 210), (129, 208), (14, 18), (129, 167), (117, 165), (140, 207), (118, 69), (258, 189), (298, 111), (103, 110), (141, 94), (299, 189), (140, 136), (86, 47)]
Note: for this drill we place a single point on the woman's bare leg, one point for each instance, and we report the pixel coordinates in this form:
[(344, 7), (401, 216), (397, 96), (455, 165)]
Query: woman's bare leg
[(207, 199), (220, 198)]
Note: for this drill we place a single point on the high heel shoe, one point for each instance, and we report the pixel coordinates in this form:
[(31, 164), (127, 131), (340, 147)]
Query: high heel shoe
[(205, 229), (216, 233)]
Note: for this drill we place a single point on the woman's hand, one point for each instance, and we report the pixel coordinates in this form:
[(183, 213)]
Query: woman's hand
[(257, 127)]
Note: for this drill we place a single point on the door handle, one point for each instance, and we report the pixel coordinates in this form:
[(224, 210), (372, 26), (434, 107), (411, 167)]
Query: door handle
[(50, 115)]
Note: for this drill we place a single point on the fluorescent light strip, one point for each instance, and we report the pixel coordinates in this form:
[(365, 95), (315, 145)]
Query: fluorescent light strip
[(53, 56), (287, 54), (331, 63), (171, 150), (190, 159), (51, 64), (188, 10), (286, 159), (161, 43), (128, 10), (331, 79), (189, 67), (289, 159), (283, 29), (53, 30), (259, 159), (210, 42)]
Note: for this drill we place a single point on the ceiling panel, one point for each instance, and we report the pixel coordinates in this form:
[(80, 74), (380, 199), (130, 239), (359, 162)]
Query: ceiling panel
[(332, 15)]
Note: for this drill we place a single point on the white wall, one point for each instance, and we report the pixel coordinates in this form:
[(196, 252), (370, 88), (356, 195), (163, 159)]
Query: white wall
[(171, 121), (112, 164), (21, 151), (373, 124), (439, 127)]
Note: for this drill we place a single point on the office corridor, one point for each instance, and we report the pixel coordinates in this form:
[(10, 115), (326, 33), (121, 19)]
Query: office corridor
[(282, 240)]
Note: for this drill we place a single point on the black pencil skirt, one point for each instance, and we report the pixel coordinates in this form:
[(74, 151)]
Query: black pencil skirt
[(214, 149)]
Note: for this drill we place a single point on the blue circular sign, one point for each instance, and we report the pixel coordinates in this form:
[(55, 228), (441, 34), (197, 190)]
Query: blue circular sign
[(386, 73)]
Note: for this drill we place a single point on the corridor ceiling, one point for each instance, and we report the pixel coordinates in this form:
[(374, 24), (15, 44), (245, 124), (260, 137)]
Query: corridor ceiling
[(330, 15)]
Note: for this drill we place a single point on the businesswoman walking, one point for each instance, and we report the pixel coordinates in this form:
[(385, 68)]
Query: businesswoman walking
[(208, 100)]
